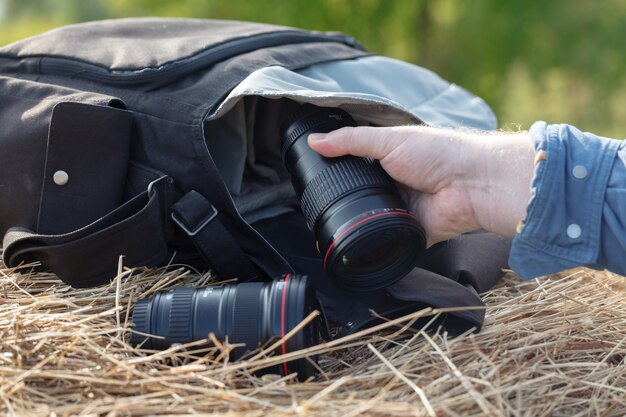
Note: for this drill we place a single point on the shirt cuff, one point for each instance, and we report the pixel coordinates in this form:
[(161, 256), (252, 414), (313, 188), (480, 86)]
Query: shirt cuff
[(564, 215)]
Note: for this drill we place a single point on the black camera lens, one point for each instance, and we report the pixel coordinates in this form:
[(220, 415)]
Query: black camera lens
[(366, 235), (253, 314)]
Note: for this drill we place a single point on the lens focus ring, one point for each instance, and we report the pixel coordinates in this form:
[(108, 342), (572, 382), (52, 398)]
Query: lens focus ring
[(337, 180), (245, 324), (181, 315)]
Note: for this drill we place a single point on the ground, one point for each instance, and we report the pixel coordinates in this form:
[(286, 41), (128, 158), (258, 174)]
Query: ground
[(553, 346)]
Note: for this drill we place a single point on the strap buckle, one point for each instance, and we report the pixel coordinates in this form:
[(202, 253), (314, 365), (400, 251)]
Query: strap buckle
[(195, 230)]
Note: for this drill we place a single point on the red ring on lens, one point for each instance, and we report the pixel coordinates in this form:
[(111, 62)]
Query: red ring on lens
[(359, 223), (282, 321)]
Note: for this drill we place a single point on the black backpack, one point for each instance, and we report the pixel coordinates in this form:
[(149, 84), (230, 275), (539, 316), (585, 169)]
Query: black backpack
[(157, 139)]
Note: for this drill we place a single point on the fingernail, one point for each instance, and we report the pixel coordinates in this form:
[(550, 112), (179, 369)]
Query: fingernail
[(317, 137)]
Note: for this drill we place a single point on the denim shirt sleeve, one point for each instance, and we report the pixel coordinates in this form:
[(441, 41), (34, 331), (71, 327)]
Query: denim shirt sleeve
[(577, 212)]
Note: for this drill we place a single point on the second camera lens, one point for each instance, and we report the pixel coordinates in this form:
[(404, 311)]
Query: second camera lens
[(252, 314)]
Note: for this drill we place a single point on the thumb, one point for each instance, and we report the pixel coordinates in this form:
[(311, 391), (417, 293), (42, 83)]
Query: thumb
[(362, 141)]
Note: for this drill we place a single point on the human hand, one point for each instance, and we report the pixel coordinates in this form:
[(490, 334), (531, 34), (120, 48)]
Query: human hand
[(453, 181)]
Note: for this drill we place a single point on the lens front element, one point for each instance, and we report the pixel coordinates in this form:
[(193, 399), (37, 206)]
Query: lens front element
[(367, 251)]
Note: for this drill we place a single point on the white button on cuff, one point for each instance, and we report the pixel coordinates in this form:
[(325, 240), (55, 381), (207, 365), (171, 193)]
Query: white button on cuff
[(60, 178), (579, 172), (574, 231)]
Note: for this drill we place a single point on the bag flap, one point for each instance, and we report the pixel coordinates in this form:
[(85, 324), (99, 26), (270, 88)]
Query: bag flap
[(373, 89), (85, 169)]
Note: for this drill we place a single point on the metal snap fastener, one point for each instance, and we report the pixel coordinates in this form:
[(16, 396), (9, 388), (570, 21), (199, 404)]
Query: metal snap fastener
[(574, 231), (60, 178), (579, 172)]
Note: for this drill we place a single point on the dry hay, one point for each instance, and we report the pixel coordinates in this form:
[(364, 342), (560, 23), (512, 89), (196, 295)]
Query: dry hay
[(553, 346)]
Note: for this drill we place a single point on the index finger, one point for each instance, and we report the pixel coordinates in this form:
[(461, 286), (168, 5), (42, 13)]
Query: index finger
[(372, 142)]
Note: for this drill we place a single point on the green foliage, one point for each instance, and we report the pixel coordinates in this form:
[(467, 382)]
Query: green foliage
[(559, 60)]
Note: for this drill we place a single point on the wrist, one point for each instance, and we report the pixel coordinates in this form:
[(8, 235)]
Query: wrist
[(499, 171)]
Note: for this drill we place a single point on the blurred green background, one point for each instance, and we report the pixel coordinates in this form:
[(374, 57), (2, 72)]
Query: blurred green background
[(557, 60)]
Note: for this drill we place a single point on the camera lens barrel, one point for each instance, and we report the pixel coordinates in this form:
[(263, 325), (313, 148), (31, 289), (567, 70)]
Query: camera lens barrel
[(251, 314), (365, 233)]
